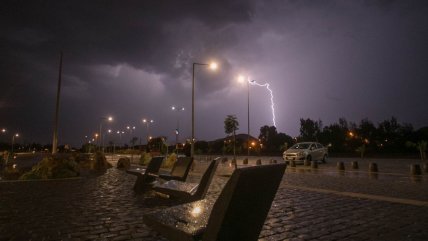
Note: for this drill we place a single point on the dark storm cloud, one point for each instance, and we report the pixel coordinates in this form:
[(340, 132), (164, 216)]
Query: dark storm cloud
[(133, 59)]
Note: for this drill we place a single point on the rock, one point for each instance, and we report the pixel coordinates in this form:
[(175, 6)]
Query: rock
[(124, 163), (100, 162)]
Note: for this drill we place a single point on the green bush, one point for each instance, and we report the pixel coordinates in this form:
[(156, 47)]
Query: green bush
[(100, 162), (145, 158), (169, 161), (51, 168)]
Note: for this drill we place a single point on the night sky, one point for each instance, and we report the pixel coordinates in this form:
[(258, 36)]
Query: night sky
[(133, 60)]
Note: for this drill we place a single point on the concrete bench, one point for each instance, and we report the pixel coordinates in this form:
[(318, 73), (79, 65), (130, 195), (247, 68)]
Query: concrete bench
[(146, 177), (238, 213), (188, 192), (180, 170)]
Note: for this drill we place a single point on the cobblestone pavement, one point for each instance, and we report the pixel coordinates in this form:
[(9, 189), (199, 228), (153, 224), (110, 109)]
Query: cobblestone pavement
[(309, 205)]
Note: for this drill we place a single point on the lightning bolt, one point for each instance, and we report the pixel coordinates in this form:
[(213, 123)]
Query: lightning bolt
[(272, 106)]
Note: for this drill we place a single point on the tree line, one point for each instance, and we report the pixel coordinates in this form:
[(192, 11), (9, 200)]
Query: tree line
[(341, 137)]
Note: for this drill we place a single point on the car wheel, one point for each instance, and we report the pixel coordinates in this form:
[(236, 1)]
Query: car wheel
[(324, 159)]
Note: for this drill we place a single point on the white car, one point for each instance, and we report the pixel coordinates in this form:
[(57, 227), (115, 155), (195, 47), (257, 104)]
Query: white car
[(310, 151)]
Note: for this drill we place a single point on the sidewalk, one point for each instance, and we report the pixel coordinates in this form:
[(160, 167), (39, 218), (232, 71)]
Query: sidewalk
[(309, 205)]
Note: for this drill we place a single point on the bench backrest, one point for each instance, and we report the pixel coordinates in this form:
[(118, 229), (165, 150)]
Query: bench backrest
[(181, 167), (154, 165), (205, 182), (243, 205)]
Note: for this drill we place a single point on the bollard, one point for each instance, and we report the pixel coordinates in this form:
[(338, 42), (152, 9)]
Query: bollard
[(354, 165), (224, 160), (292, 164), (373, 167), (314, 164), (340, 166), (425, 167), (415, 169), (245, 161), (258, 162)]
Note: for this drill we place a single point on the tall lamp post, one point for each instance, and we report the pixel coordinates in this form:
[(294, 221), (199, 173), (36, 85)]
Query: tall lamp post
[(130, 129), (101, 140), (177, 131), (120, 137), (212, 66), (13, 141), (147, 122), (241, 79)]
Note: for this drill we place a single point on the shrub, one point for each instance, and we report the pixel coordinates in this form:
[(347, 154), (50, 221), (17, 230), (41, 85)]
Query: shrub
[(145, 158), (51, 168), (124, 162), (100, 162), (169, 161)]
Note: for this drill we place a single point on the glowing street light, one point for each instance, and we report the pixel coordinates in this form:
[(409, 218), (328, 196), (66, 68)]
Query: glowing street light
[(147, 122), (130, 129), (101, 140), (212, 66), (241, 79), (13, 141), (120, 136), (177, 131)]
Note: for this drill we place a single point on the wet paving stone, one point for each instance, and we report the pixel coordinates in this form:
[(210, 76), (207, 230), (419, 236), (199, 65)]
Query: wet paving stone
[(104, 207)]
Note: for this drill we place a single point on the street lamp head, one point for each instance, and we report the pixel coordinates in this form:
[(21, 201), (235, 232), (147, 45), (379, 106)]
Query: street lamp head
[(109, 131), (17, 135), (3, 130), (128, 127), (110, 118), (213, 66), (241, 79), (173, 108)]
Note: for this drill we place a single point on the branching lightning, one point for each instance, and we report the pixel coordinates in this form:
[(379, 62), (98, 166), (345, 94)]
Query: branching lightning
[(253, 82)]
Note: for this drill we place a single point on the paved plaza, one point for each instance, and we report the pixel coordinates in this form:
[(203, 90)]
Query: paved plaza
[(311, 204)]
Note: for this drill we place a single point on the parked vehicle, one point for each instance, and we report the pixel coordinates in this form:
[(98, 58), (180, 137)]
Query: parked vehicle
[(311, 151)]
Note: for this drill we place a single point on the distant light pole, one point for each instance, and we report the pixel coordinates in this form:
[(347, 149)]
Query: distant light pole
[(101, 140), (120, 136), (130, 129), (147, 122), (177, 131), (242, 79), (13, 141), (58, 93), (3, 130), (212, 66)]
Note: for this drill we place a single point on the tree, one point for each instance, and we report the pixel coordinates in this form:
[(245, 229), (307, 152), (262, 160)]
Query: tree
[(231, 124), (310, 130)]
